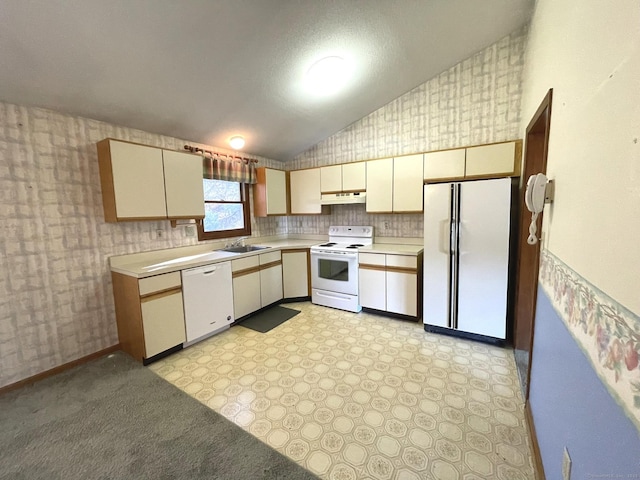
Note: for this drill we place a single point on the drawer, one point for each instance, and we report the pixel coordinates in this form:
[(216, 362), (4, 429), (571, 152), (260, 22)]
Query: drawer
[(270, 257), (159, 282), (404, 261), (372, 259), (245, 263)]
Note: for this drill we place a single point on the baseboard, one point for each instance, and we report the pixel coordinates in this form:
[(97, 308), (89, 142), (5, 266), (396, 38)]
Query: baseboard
[(537, 458), (384, 313), (498, 342), (59, 369)]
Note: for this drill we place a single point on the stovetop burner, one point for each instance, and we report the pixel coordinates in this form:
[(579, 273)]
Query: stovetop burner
[(355, 245), (330, 244)]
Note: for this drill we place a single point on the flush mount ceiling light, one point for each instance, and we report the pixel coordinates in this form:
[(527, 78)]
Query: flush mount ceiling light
[(236, 142), (328, 75)]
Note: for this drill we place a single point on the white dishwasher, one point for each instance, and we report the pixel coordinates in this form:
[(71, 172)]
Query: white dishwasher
[(208, 300)]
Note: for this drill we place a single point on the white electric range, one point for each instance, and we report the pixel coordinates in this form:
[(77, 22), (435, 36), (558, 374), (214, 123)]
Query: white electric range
[(334, 267)]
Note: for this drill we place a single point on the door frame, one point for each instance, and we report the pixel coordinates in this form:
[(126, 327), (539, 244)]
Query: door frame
[(536, 148)]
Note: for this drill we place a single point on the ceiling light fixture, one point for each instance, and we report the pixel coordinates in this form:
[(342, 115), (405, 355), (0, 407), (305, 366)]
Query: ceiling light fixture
[(236, 142), (328, 75)]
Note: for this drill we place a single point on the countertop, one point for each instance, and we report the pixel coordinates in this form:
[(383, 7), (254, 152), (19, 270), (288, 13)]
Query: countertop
[(147, 264), (392, 248)]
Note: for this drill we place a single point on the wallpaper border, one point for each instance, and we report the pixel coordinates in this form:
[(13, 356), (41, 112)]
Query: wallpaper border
[(607, 332)]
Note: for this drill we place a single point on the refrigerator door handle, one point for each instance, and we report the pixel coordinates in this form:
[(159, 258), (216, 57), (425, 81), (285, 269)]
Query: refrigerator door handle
[(444, 236)]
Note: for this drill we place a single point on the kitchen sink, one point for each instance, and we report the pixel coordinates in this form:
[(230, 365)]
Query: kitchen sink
[(243, 249)]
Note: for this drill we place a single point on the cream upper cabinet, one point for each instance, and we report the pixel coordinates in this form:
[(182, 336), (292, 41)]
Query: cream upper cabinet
[(305, 191), (331, 179), (270, 192), (495, 159), (380, 186), (444, 165), (132, 178), (354, 177), (183, 184), (407, 183), (348, 177), (147, 183)]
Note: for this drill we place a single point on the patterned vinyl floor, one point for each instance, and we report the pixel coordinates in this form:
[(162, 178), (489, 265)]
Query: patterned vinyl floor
[(361, 396)]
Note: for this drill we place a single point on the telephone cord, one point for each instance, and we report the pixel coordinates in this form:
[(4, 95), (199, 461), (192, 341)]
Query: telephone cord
[(533, 229)]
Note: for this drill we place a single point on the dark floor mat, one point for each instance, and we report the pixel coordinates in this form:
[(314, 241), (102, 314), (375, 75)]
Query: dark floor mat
[(268, 319)]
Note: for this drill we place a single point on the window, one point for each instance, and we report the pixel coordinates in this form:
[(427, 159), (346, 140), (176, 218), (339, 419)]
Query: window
[(226, 210)]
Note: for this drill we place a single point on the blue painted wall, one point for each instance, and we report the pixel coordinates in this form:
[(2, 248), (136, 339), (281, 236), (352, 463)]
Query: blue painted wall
[(572, 407)]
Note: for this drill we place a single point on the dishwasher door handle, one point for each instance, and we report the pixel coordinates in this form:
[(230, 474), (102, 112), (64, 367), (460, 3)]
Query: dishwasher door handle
[(210, 272)]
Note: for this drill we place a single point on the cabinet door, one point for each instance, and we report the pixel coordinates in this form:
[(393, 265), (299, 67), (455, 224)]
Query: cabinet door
[(380, 186), (138, 181), (402, 293), (407, 183), (270, 192), (162, 322), (246, 294), (354, 177), (183, 184), (270, 285), (295, 274), (496, 159), (372, 288), (445, 165), (305, 191), (331, 179), (276, 193)]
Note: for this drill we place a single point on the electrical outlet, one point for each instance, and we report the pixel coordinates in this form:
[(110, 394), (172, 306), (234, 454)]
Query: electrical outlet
[(566, 465), (190, 231), (386, 225), (159, 233)]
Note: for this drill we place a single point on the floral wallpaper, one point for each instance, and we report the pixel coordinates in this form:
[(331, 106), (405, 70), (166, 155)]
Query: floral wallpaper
[(607, 332)]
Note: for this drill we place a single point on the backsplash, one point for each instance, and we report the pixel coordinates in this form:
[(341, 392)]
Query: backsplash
[(385, 225), (476, 101), (56, 302)]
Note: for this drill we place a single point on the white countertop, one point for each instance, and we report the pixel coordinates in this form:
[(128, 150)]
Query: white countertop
[(392, 248), (147, 264)]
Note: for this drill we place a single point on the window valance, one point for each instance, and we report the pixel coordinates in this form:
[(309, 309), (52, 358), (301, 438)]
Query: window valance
[(220, 166), (231, 170)]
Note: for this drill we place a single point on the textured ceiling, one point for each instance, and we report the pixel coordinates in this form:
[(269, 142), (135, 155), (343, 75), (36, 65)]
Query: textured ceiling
[(203, 70)]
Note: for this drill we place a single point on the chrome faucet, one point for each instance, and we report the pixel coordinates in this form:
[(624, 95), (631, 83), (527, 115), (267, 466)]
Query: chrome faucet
[(238, 242)]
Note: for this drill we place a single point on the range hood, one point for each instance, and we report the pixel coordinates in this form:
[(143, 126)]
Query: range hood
[(343, 198)]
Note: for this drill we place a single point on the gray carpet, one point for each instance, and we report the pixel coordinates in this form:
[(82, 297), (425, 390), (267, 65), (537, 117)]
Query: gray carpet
[(269, 319), (114, 419)]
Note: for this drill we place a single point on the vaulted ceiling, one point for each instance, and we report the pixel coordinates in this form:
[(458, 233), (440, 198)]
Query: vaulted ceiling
[(204, 70)]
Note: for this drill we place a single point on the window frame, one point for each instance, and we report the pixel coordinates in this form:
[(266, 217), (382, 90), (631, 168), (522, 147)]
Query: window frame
[(239, 232)]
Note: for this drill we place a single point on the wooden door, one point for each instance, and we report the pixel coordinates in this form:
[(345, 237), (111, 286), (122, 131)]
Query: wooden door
[(535, 161)]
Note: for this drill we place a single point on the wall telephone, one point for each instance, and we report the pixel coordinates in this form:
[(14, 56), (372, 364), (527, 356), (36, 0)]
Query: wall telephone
[(538, 192)]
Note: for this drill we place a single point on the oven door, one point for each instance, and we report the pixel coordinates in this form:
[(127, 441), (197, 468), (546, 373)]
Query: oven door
[(335, 271)]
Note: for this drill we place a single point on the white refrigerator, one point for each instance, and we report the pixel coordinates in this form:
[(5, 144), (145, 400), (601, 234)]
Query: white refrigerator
[(466, 256)]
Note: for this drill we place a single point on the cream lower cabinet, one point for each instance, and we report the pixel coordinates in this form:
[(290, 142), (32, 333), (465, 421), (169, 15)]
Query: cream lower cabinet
[(270, 278), (295, 273), (246, 285), (257, 282), (149, 313), (390, 283)]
